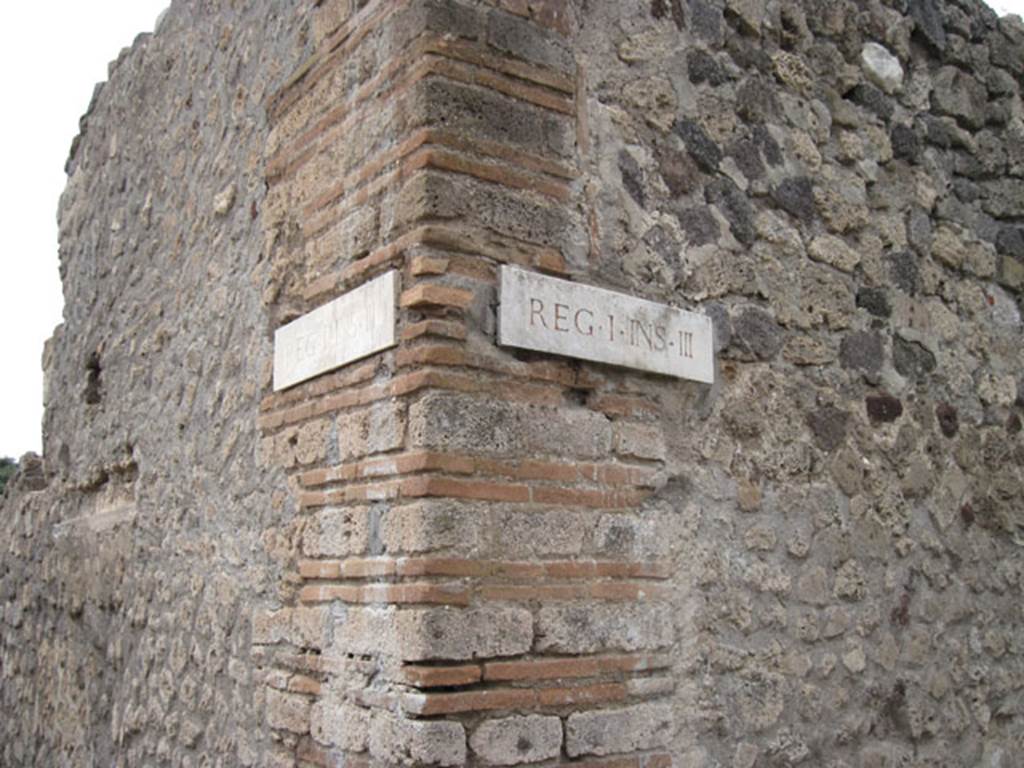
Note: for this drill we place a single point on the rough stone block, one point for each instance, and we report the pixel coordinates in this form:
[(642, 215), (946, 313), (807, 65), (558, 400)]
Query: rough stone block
[(881, 67), (519, 38), (287, 711), (491, 426), (641, 441), (416, 742), (592, 628), (443, 632), (959, 95), (340, 725), (834, 251), (645, 726), (514, 740), (431, 525), (379, 428), (309, 627), (636, 537), (271, 626), (431, 195), (450, 18), (489, 116), (337, 532)]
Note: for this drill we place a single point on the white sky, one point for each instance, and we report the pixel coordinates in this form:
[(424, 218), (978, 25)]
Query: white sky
[(53, 54)]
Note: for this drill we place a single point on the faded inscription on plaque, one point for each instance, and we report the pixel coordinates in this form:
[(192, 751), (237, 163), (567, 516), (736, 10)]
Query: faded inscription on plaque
[(348, 328), (551, 315)]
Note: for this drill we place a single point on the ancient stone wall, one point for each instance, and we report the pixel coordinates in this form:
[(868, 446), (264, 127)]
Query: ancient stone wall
[(456, 553), (132, 561)]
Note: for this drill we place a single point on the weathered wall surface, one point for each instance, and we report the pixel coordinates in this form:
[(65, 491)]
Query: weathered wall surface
[(852, 519), (455, 554), (128, 580)]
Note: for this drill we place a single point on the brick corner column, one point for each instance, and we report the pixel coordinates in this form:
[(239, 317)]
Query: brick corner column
[(475, 576)]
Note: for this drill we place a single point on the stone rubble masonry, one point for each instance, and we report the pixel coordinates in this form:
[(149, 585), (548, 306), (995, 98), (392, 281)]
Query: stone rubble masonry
[(450, 553)]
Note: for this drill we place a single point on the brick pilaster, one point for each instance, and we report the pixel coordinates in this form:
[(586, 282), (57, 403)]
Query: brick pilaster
[(477, 578)]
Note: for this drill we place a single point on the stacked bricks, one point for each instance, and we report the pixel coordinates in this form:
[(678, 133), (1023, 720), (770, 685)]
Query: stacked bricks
[(478, 580)]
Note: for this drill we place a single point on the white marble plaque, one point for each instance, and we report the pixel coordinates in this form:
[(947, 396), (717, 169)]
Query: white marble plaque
[(551, 315), (351, 327)]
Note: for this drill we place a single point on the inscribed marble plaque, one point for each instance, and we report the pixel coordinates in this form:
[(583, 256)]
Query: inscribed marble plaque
[(348, 328), (550, 315)]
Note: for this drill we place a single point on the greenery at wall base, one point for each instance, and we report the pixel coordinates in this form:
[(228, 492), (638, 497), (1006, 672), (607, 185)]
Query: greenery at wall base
[(7, 469)]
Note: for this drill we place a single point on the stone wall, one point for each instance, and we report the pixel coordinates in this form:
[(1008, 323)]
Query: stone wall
[(452, 553), (132, 560)]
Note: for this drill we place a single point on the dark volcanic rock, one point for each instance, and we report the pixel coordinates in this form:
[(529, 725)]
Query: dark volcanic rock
[(702, 148), (903, 271), (905, 143), (748, 158), (699, 225), (662, 8), (769, 147), (680, 173), (949, 420), (722, 325), (875, 301), (755, 335), (658, 240), (928, 23), (862, 351), (873, 100), (828, 425), (755, 101), (632, 177), (1011, 241), (702, 68), (883, 408), (911, 359), (734, 205), (796, 197), (706, 21)]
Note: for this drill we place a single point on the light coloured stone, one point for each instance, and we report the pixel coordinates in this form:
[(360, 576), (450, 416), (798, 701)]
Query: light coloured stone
[(750, 12), (997, 389), (309, 626), (287, 711), (834, 251), (483, 424), (340, 725), (746, 755), (376, 429), (851, 581), (643, 441), (854, 659), (514, 740), (551, 315), (271, 626), (337, 532), (655, 98), (748, 495), (645, 46), (439, 632), (760, 537), (812, 586), (417, 742), (348, 328), (608, 732), (881, 67), (224, 200), (591, 628)]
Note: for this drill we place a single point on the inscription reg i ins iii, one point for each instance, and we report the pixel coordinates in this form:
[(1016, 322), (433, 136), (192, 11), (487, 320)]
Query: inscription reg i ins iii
[(640, 334), (551, 315)]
